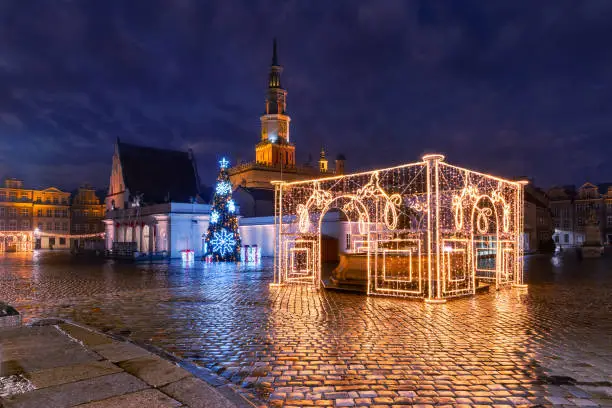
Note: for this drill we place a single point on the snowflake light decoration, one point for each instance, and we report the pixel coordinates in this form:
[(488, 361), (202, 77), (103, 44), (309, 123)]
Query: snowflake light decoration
[(224, 187), (214, 217), (223, 242), (231, 206)]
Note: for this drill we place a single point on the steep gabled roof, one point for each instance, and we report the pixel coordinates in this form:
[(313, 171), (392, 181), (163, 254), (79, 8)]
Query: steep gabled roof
[(160, 175)]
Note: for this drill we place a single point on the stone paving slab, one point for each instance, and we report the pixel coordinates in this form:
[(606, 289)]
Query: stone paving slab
[(119, 351), (87, 337), (71, 373), (146, 398), (154, 370), (196, 394), (67, 395), (54, 380)]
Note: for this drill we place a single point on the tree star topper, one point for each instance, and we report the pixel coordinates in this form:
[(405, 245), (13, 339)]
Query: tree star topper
[(224, 163)]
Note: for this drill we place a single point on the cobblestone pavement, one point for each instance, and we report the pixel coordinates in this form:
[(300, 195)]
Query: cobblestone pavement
[(549, 345)]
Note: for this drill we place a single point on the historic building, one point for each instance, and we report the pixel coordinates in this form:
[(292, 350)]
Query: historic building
[(33, 219), (51, 213), (153, 203), (15, 217), (538, 223), (275, 156), (86, 215), (573, 208)]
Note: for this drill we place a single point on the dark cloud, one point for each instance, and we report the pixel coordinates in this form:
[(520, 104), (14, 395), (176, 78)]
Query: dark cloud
[(505, 87)]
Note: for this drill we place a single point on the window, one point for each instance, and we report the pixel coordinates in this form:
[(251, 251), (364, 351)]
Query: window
[(57, 213), (12, 212), (65, 226), (580, 221), (86, 227), (2, 211), (541, 220), (40, 226), (566, 224), (609, 220), (55, 200), (557, 223), (86, 213), (51, 241), (49, 226), (348, 241), (556, 239), (65, 213), (25, 212), (49, 212), (12, 225), (62, 241), (2, 195), (13, 196), (39, 213), (77, 227), (2, 225), (25, 224), (58, 226)]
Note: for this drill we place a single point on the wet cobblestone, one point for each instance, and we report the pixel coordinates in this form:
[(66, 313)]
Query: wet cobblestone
[(293, 346)]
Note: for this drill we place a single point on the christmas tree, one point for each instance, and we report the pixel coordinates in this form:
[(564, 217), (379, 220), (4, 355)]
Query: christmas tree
[(222, 237)]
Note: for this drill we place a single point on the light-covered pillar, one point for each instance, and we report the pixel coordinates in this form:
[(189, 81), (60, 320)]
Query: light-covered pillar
[(434, 244)]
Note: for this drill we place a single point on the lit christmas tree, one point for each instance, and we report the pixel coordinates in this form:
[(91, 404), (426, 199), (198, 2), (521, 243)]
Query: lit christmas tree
[(223, 238)]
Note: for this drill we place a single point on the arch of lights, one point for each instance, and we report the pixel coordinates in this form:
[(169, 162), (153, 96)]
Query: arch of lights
[(426, 230)]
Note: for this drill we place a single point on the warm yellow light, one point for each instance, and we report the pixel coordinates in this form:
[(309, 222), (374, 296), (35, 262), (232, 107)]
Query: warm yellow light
[(427, 229)]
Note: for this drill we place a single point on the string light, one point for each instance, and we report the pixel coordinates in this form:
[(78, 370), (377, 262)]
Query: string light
[(428, 229), (231, 206)]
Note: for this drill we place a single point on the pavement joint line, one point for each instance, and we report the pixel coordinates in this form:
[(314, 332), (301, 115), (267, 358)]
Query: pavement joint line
[(217, 382)]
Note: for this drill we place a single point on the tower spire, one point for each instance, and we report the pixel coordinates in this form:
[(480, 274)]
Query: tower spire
[(274, 54)]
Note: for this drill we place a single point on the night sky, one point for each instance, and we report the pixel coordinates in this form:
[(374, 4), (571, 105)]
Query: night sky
[(514, 88)]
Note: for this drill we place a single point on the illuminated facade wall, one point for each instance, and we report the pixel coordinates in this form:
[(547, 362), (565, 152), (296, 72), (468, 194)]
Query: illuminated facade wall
[(428, 230), (162, 228)]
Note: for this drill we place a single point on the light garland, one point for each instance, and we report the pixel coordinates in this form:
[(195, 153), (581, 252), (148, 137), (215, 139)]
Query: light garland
[(427, 229)]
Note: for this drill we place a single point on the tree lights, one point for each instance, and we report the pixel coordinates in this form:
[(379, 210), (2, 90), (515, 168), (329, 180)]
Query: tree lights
[(222, 238), (427, 229)]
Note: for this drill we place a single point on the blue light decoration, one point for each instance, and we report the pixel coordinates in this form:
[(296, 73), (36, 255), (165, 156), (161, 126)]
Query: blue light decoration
[(214, 217), (224, 163), (223, 188), (223, 242)]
